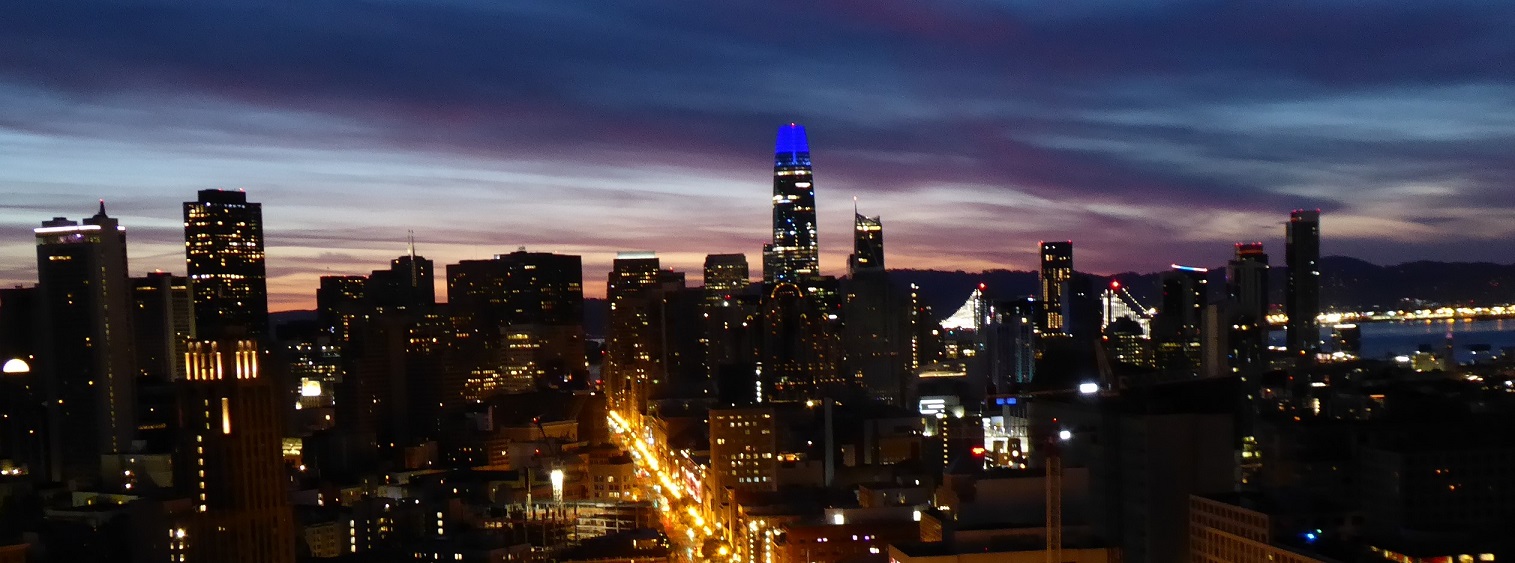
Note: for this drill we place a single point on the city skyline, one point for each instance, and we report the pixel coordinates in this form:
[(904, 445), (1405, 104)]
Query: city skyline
[(962, 144)]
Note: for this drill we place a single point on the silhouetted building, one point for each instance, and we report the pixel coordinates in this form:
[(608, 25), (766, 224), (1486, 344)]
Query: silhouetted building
[(1247, 293), (340, 301), (1302, 300), (535, 302), (1057, 269), (799, 354), (1176, 330), (794, 253), (631, 362), (223, 247), (164, 321), (229, 458), (867, 245), (1010, 341), (879, 330), (406, 285), (85, 354)]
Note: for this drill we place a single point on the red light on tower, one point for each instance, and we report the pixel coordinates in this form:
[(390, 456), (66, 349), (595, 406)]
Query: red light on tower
[(1114, 284), (981, 287)]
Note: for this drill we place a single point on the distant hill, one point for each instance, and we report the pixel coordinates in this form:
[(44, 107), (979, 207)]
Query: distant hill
[(1347, 283)]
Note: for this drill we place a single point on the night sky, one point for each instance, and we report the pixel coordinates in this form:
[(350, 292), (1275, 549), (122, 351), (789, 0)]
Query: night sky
[(1147, 132)]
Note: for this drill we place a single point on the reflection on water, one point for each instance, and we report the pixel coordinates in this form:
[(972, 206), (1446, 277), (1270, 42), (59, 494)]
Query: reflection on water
[(1382, 340)]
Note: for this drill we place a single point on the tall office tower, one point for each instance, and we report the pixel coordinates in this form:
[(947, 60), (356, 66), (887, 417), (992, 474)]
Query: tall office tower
[(223, 245), (1176, 329), (341, 301), (164, 322), (229, 458), (795, 253), (800, 352), (406, 285), (876, 338), (535, 296), (1247, 291), (725, 276), (867, 244), (85, 354), (630, 361), (1302, 302), (1057, 269), (744, 449)]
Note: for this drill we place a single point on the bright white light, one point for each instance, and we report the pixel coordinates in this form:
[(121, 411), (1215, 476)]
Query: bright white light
[(310, 388), (1088, 388), (916, 515), (838, 519), (557, 484), (1065, 435), (16, 365)]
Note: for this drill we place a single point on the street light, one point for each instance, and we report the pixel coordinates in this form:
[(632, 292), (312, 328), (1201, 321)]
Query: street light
[(557, 484)]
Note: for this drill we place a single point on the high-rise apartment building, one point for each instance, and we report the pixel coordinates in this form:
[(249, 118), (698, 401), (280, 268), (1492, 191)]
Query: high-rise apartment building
[(85, 351), (229, 459), (1057, 269), (223, 246), (794, 253), (1302, 302), (163, 321)]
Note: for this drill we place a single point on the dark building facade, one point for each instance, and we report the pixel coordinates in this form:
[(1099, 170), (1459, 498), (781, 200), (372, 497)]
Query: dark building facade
[(631, 362), (534, 301), (163, 321), (867, 244), (229, 459), (85, 355), (1247, 294), (1302, 299), (407, 284), (223, 247), (1176, 330), (725, 276)]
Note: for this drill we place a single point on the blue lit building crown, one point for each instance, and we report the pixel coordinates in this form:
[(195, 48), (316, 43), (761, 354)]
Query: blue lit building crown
[(792, 147)]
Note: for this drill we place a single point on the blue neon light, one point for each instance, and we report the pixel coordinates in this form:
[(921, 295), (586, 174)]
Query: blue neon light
[(792, 147)]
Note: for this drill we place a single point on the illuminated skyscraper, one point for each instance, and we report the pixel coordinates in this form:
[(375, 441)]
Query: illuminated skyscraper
[(1302, 254), (229, 458), (223, 245), (725, 276), (1057, 269), (85, 354), (794, 253), (867, 244)]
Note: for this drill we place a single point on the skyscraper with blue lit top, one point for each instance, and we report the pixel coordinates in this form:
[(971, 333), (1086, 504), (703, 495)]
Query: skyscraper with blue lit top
[(794, 254)]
